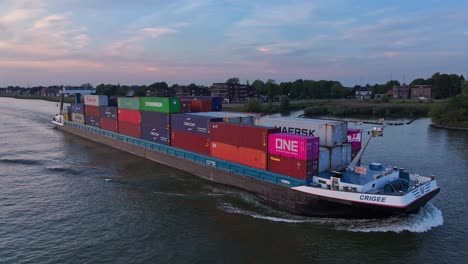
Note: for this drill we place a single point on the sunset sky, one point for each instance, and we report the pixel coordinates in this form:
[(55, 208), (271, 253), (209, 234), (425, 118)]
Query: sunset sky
[(70, 42)]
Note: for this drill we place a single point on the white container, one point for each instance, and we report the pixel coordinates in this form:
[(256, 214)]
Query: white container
[(336, 157), (96, 100), (346, 154), (324, 159), (331, 133)]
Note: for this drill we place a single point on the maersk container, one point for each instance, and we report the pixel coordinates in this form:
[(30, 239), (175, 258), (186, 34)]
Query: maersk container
[(92, 121), (299, 169), (108, 112), (346, 154), (293, 146), (247, 156), (129, 116), (91, 110), (331, 133), (155, 127), (77, 108), (78, 118), (96, 100), (231, 117), (129, 129), (194, 142), (132, 103), (255, 137), (160, 104), (109, 124), (192, 123), (216, 101), (201, 106), (324, 159)]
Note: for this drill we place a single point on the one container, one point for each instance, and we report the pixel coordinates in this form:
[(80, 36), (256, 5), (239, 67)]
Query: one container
[(109, 124), (132, 103), (185, 106), (77, 108), (96, 100), (91, 110), (108, 112), (324, 159), (201, 106), (191, 141), (92, 121), (255, 137), (160, 104), (129, 129), (78, 118), (331, 133), (129, 116), (247, 156), (293, 146), (156, 127), (299, 169), (192, 123)]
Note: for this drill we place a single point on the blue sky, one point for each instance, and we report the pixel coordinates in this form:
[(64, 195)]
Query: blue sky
[(45, 42)]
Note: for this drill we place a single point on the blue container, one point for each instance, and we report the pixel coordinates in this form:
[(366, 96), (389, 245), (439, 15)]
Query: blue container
[(156, 127), (112, 102), (92, 121), (216, 101), (108, 112), (77, 108), (192, 123)]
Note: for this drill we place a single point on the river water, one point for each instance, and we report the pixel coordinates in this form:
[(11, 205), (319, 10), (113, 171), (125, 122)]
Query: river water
[(64, 199)]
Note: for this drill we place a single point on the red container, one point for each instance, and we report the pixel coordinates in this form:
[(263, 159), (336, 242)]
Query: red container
[(91, 110), (355, 138), (299, 169), (129, 116), (201, 106), (190, 141), (294, 146), (246, 156), (129, 129), (255, 137), (185, 106), (109, 124)]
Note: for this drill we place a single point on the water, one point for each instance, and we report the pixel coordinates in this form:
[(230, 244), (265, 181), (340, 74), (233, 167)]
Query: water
[(64, 199)]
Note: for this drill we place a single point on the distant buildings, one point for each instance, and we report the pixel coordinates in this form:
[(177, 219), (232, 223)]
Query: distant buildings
[(363, 93), (191, 90), (234, 93), (421, 92), (401, 92)]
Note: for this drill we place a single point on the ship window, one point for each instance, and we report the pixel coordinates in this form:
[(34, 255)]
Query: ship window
[(373, 185), (322, 182)]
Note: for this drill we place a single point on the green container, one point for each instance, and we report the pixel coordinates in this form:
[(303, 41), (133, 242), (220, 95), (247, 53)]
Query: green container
[(160, 104), (132, 103)]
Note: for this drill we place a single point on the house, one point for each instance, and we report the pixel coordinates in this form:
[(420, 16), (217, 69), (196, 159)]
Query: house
[(401, 92), (363, 93), (191, 90), (421, 92), (234, 93)]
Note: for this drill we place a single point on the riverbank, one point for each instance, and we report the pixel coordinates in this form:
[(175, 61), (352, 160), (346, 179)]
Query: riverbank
[(45, 98), (450, 127)]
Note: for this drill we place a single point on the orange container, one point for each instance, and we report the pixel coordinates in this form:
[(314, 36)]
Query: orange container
[(246, 156)]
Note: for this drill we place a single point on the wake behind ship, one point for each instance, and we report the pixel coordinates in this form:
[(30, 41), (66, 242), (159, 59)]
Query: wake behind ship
[(303, 166)]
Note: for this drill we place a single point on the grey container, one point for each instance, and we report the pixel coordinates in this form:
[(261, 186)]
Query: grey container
[(324, 159), (156, 127), (192, 123), (78, 118)]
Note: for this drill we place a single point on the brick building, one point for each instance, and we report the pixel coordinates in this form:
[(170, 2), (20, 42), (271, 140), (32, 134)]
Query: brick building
[(421, 92), (234, 93), (401, 92)]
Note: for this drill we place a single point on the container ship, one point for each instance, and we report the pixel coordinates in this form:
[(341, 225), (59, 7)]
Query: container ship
[(303, 166)]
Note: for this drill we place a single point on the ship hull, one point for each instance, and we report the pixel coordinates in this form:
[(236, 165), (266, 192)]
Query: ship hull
[(281, 197)]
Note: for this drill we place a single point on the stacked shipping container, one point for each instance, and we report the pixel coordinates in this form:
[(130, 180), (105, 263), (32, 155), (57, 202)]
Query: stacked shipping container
[(156, 119), (293, 155), (77, 113), (92, 112), (216, 102), (129, 117), (355, 139), (108, 118)]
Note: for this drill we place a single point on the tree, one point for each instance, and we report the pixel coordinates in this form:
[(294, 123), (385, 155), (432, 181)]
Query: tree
[(233, 80), (284, 103), (260, 86), (252, 105), (271, 88)]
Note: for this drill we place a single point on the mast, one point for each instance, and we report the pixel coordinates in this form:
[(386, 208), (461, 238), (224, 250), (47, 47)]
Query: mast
[(377, 131)]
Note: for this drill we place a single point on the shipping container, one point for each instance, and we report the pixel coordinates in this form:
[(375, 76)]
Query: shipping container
[(324, 159), (355, 138), (247, 156), (191, 141), (129, 129), (160, 104), (255, 137), (108, 112), (109, 124), (129, 116), (77, 108), (92, 121), (336, 157), (112, 102), (155, 127), (216, 101), (201, 106), (132, 103), (299, 169), (231, 117), (331, 133), (192, 123), (185, 106), (346, 154), (66, 109), (91, 110), (67, 117), (78, 118), (293, 146), (95, 100)]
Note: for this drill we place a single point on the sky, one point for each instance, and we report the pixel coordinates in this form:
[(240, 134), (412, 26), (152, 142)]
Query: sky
[(71, 42)]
